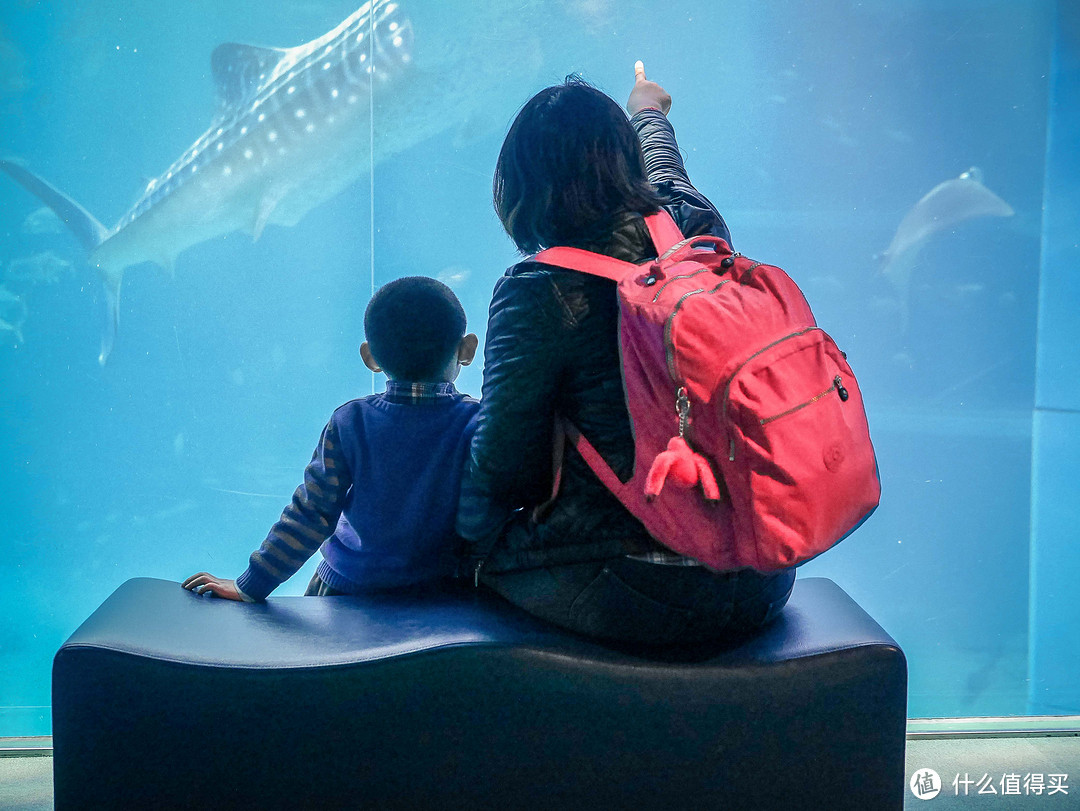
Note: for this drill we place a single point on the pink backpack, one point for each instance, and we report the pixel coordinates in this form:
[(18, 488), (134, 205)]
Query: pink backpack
[(751, 442)]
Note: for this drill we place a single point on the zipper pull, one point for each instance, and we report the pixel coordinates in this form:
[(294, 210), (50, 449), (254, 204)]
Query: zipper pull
[(731, 450), (840, 389), (682, 408)]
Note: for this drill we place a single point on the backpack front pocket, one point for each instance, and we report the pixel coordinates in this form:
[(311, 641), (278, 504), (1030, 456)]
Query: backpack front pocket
[(800, 477)]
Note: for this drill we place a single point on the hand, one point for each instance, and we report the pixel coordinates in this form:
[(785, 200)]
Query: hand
[(204, 583), (646, 94)]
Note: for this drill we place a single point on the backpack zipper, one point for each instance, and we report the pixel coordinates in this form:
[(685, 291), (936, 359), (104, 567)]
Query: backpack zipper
[(727, 388), (837, 383), (669, 350), (696, 272), (676, 278)]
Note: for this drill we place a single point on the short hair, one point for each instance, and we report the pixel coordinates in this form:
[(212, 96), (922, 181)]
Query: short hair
[(571, 164), (413, 325)]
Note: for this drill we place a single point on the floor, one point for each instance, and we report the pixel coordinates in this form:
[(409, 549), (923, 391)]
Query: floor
[(1030, 773), (26, 783), (1001, 772)]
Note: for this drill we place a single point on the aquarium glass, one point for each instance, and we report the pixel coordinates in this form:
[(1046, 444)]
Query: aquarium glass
[(908, 162)]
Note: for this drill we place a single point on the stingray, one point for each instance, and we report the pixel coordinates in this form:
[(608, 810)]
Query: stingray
[(944, 206)]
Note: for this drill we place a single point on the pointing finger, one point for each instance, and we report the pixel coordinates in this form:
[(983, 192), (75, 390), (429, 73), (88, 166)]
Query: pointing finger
[(639, 71)]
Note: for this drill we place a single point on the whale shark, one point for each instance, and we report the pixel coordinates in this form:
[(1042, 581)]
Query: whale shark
[(944, 206), (294, 127)]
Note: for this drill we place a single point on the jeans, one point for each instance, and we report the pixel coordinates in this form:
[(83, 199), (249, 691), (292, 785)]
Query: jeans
[(317, 588), (627, 600)]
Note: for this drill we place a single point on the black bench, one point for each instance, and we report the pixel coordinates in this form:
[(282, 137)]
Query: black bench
[(455, 700)]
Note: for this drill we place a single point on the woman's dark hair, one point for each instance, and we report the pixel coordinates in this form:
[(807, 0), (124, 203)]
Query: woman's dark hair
[(571, 164), (412, 326)]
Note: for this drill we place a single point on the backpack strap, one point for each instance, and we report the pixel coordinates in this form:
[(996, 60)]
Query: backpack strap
[(663, 230), (558, 448), (565, 431), (595, 264), (672, 246), (665, 235), (597, 464)]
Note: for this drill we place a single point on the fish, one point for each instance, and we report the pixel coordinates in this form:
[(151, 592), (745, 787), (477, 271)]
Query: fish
[(13, 74), (293, 129), (41, 268), (453, 275), (944, 206), (13, 314), (42, 221)]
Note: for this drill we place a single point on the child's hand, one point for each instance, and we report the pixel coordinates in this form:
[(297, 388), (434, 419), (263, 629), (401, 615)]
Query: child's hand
[(204, 583), (646, 94)]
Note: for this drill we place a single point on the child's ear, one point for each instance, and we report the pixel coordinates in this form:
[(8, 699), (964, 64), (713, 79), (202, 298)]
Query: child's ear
[(369, 359), (467, 349)]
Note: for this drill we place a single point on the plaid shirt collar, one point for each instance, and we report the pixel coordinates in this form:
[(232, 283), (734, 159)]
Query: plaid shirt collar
[(403, 393)]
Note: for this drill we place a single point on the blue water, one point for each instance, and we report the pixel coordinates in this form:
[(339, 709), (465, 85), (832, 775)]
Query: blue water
[(813, 127)]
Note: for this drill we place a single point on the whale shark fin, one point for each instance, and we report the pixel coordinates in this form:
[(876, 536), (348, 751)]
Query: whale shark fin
[(112, 314), (267, 203), (240, 70), (82, 223)]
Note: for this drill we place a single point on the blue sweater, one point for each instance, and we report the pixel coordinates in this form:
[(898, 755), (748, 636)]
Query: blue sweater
[(379, 496)]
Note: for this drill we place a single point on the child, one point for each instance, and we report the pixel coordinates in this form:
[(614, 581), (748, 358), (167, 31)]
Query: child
[(380, 494)]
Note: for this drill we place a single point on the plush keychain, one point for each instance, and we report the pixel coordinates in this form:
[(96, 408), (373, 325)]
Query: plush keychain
[(685, 468)]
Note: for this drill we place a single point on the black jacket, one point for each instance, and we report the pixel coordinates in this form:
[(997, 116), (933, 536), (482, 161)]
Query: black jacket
[(552, 348)]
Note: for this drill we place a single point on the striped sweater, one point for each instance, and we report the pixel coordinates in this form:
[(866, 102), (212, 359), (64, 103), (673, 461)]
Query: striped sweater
[(379, 496)]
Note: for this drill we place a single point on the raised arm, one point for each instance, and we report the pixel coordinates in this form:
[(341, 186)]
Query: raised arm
[(648, 106)]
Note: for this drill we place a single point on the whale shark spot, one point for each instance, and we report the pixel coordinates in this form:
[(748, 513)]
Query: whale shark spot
[(251, 83), (239, 70)]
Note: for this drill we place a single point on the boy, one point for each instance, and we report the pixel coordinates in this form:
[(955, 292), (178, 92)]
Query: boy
[(380, 494)]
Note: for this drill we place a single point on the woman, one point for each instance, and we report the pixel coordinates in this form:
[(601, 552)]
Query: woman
[(575, 171)]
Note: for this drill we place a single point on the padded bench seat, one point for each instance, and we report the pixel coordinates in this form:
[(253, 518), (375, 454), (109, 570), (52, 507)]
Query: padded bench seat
[(163, 698)]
